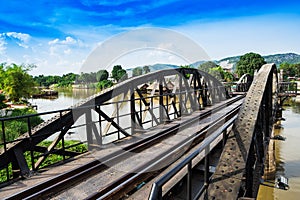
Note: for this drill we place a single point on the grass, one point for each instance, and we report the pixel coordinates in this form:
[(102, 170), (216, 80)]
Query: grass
[(50, 160), (15, 128)]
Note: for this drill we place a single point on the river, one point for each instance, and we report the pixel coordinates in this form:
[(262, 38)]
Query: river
[(287, 156), (66, 98)]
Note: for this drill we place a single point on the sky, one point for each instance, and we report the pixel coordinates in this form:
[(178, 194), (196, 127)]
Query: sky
[(59, 36)]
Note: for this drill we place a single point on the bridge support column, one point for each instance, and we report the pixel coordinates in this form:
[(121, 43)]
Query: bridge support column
[(132, 111), (270, 164)]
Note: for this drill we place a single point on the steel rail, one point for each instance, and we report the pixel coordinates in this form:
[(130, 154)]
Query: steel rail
[(72, 177), (120, 186)]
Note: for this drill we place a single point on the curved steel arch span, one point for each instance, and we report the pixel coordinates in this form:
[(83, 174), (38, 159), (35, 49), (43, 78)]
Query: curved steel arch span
[(242, 161), (131, 106)]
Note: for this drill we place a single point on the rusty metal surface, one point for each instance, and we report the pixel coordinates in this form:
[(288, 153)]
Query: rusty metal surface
[(234, 171)]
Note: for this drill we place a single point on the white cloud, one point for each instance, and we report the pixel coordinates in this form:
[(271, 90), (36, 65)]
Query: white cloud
[(106, 2), (20, 39), (67, 51), (20, 36), (266, 34), (2, 45), (68, 41)]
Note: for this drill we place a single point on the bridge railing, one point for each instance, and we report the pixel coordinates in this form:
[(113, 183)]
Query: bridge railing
[(115, 113), (38, 152), (64, 150), (287, 88), (205, 147)]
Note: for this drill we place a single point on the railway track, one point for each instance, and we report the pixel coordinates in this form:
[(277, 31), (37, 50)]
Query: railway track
[(208, 121)]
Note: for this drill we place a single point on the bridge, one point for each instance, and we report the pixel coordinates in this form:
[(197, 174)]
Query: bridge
[(170, 134)]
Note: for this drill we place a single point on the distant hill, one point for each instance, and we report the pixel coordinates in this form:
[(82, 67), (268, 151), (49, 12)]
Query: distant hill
[(276, 58), (291, 58), (162, 66)]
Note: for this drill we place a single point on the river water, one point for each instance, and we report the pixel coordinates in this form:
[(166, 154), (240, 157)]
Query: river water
[(287, 155), (66, 98)]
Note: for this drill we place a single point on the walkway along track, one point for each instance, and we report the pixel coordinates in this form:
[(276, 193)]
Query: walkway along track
[(202, 124)]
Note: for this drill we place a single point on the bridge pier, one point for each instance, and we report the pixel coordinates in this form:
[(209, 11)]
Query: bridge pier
[(270, 162)]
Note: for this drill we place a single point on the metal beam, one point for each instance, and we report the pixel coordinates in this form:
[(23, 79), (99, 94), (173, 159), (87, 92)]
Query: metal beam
[(232, 178)]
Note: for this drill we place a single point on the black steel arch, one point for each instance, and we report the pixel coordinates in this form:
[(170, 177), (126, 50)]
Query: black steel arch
[(177, 92), (242, 161)]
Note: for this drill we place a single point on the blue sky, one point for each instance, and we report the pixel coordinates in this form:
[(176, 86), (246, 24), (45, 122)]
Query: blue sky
[(58, 36)]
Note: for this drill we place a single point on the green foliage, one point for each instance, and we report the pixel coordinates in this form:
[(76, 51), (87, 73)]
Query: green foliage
[(16, 82), (15, 128), (118, 73), (114, 72), (207, 66), (122, 75), (101, 75), (290, 70), (249, 63), (54, 158), (51, 159), (137, 71), (228, 77), (216, 71), (146, 69), (104, 84), (67, 80), (187, 76), (64, 81), (2, 104)]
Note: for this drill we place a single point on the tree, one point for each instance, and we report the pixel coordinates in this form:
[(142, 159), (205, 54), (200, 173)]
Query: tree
[(67, 80), (249, 63), (17, 83), (122, 75), (290, 70), (137, 71), (207, 66), (104, 84), (146, 69), (101, 75), (2, 74), (118, 73), (114, 72), (217, 72), (2, 104)]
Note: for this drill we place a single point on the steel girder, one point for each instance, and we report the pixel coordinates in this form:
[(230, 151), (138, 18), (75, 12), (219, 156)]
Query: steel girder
[(241, 164), (179, 92)]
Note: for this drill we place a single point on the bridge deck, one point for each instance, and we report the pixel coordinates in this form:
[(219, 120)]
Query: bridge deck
[(106, 150)]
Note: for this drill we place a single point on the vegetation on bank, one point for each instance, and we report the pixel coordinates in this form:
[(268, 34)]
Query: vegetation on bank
[(249, 63), (50, 160), (216, 71), (15, 128), (17, 85), (290, 70), (15, 82)]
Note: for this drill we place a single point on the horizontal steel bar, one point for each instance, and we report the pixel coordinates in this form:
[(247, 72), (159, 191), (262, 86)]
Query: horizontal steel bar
[(206, 142)]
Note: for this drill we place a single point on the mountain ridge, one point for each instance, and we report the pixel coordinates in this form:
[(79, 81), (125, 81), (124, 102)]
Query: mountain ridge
[(291, 58)]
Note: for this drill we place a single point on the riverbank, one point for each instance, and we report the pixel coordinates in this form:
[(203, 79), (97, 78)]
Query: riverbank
[(287, 157)]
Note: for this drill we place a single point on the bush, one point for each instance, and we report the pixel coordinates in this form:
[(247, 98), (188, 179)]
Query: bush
[(2, 104), (15, 128)]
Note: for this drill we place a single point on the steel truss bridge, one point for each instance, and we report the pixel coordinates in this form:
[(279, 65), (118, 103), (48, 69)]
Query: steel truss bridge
[(160, 130)]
